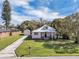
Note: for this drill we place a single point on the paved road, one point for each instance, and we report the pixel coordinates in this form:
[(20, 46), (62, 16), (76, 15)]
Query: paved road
[(10, 50), (55, 57)]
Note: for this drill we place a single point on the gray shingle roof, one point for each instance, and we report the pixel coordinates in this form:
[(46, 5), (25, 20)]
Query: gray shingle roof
[(45, 28)]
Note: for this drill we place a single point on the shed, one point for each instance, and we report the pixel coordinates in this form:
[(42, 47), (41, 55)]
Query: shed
[(27, 32)]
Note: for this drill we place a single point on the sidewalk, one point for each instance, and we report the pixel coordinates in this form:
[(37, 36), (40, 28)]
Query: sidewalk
[(10, 50), (54, 57)]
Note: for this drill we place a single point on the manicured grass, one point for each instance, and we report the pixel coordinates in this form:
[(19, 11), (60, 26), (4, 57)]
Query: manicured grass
[(39, 48), (4, 42)]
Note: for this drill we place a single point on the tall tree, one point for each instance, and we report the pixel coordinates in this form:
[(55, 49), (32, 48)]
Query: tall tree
[(6, 13)]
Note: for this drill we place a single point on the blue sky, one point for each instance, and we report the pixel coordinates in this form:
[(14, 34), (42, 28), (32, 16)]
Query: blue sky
[(34, 9)]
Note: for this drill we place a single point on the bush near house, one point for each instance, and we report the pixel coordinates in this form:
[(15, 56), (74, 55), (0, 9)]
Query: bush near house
[(67, 48)]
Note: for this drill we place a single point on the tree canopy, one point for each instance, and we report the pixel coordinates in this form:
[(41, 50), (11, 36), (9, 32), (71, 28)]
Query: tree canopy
[(6, 13)]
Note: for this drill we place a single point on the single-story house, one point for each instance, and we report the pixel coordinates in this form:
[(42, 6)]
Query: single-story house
[(5, 33), (44, 32)]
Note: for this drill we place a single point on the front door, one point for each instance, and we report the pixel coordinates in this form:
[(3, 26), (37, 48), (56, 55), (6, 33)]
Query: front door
[(45, 34)]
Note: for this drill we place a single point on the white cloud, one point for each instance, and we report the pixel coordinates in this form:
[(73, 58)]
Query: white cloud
[(15, 15), (18, 19), (75, 1), (44, 2), (19, 2), (43, 12)]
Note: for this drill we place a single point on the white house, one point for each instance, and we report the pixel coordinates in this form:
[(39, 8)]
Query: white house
[(27, 32), (45, 32)]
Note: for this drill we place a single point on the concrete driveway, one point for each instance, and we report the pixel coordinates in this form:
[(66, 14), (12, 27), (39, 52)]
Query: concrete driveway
[(10, 50)]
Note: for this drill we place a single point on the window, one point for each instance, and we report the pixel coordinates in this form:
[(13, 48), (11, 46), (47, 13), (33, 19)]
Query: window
[(45, 28), (35, 33)]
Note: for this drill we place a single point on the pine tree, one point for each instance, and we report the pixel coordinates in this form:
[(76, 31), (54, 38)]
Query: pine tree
[(6, 13)]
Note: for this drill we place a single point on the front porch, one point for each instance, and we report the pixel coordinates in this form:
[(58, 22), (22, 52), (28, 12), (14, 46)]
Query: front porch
[(46, 35)]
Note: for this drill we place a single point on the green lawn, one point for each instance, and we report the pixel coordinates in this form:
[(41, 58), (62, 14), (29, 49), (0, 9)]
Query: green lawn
[(4, 42), (46, 48)]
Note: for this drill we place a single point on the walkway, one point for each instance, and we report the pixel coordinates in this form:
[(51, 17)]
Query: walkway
[(10, 50), (54, 57)]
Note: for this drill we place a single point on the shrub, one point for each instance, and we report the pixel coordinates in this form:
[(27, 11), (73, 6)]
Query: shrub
[(65, 49), (59, 50)]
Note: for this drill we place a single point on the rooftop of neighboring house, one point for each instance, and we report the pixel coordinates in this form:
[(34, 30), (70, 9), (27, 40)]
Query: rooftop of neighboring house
[(8, 30)]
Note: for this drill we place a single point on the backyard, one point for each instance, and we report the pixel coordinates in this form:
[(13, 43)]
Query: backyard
[(48, 48), (4, 42)]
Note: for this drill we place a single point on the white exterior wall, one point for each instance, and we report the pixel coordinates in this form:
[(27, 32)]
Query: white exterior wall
[(40, 35), (48, 34), (53, 34), (36, 36), (43, 34)]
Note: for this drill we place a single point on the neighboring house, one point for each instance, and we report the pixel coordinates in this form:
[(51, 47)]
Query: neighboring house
[(5, 33), (27, 32), (45, 32)]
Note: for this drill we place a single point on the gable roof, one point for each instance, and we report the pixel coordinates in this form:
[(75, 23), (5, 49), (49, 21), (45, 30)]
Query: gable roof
[(45, 28)]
